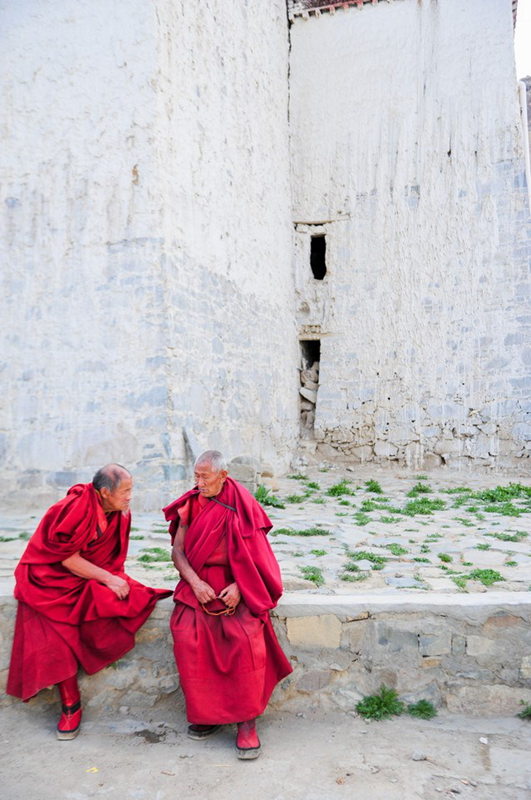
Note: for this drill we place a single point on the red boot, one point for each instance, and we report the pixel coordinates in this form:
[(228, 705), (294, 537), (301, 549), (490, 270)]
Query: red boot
[(247, 741), (69, 724)]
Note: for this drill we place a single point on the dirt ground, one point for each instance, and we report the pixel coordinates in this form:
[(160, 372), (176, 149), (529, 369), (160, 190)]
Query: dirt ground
[(315, 756)]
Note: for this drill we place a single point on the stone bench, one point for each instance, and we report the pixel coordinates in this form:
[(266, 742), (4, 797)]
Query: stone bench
[(471, 653)]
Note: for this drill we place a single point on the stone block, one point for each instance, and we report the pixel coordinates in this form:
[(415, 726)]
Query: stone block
[(431, 693), (496, 700), (458, 645), (314, 680), (314, 632), (525, 668), (502, 620), (353, 637), (396, 640), (308, 394), (346, 699), (432, 644)]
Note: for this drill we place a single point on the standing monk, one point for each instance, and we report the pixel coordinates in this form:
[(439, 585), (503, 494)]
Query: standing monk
[(76, 606), (227, 654)]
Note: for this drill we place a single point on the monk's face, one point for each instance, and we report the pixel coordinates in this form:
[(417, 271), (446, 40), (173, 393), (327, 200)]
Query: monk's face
[(119, 499), (209, 483)]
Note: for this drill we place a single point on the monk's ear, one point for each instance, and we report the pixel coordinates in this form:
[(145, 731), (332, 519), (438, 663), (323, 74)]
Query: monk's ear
[(223, 473)]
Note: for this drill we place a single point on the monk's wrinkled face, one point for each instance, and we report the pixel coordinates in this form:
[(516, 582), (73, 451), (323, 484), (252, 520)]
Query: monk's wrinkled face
[(119, 499), (209, 483)]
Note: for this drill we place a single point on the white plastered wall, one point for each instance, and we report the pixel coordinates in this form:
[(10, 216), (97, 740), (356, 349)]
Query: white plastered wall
[(407, 149), (146, 240)]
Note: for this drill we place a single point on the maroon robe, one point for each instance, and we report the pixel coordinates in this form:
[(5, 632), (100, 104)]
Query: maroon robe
[(228, 665), (64, 621)]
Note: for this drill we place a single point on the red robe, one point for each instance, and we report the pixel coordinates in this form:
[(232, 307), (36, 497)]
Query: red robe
[(228, 665), (64, 621)]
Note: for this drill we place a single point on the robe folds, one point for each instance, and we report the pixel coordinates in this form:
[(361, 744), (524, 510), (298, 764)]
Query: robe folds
[(64, 621), (228, 665)]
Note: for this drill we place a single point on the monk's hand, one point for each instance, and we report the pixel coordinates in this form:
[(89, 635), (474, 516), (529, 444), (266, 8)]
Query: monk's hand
[(230, 595), (203, 591), (118, 586)]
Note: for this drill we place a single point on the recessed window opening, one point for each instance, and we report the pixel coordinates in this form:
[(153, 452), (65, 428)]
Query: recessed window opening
[(318, 256), (310, 362)]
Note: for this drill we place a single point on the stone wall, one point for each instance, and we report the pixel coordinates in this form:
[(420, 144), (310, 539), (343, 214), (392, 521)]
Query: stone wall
[(473, 657), (145, 236), (407, 154)]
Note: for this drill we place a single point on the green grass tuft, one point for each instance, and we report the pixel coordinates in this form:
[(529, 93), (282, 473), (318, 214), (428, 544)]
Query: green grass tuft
[(373, 486), (383, 705), (154, 554), (423, 505), (422, 710), (396, 549), (264, 496), (313, 574), (339, 489)]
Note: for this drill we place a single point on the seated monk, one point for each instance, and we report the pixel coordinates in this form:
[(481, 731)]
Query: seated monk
[(76, 606), (227, 654)]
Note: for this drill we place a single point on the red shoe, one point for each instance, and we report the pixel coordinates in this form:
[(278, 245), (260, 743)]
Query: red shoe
[(70, 722), (247, 741), (196, 731)]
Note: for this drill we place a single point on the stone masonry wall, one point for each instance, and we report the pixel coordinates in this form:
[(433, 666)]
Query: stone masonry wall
[(473, 657), (146, 241), (407, 154)]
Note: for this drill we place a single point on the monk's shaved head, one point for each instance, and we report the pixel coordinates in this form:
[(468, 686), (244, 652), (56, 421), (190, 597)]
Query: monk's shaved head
[(213, 459), (110, 477)]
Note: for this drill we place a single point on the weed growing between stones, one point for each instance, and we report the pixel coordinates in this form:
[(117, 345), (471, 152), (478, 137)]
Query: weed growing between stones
[(445, 557), (373, 486), (422, 560), (486, 576), (353, 577), (297, 477), (318, 552), (508, 537), (266, 498), (154, 554), (466, 522), (303, 532), (525, 713), (295, 498), (8, 538), (423, 505), (361, 518), (319, 500), (363, 555), (345, 503), (25, 536), (313, 485), (383, 705), (313, 574), (507, 509), (419, 488), (389, 520), (483, 546), (422, 710), (137, 537), (339, 489), (396, 549), (511, 563)]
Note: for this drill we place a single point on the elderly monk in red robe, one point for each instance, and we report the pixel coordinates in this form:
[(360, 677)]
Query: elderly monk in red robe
[(227, 654), (76, 606)]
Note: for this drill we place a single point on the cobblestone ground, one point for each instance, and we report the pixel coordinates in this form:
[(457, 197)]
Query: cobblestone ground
[(388, 531)]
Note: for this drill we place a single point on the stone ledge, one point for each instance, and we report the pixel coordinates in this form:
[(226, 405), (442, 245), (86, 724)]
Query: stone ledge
[(472, 656)]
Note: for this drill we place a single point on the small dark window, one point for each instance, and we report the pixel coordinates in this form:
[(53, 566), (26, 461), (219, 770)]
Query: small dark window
[(318, 257)]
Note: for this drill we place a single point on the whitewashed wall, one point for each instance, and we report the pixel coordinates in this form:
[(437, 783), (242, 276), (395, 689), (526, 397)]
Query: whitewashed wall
[(407, 146), (145, 240)]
